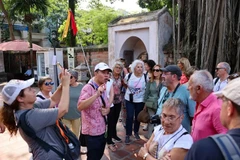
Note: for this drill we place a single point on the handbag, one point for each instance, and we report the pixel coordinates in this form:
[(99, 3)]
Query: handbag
[(151, 103), (143, 116)]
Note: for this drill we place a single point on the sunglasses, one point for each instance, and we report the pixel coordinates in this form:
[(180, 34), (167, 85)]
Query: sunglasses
[(71, 77), (49, 83), (218, 68), (157, 70)]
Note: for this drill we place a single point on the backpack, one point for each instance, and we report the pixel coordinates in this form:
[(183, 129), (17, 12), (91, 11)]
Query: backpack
[(40, 96), (227, 145), (145, 77), (69, 140)]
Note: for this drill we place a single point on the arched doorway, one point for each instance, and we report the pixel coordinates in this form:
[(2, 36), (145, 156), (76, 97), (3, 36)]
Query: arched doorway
[(133, 48)]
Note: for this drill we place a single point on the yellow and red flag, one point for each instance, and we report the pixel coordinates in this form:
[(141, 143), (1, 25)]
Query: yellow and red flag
[(73, 25), (65, 31)]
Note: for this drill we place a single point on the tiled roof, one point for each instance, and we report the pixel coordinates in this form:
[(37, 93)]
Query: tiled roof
[(137, 18)]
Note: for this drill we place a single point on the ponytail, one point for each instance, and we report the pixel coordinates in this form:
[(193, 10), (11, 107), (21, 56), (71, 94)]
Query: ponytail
[(7, 115)]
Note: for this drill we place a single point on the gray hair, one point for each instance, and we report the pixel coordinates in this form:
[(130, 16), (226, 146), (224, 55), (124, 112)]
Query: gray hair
[(203, 78), (175, 103), (134, 64), (226, 66), (118, 63), (73, 73)]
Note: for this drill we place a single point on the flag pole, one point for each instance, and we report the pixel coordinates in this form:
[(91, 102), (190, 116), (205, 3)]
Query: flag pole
[(85, 58)]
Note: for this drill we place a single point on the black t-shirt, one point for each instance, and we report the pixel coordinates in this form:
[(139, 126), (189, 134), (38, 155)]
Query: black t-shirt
[(207, 149)]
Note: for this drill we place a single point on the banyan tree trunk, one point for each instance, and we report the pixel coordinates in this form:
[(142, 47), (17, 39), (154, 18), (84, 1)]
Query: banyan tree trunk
[(212, 33)]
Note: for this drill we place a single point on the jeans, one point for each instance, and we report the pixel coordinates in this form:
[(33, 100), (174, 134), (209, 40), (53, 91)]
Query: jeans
[(132, 108), (95, 147), (112, 122)]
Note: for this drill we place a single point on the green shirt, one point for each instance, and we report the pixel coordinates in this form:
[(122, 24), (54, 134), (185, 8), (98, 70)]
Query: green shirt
[(73, 112), (152, 94)]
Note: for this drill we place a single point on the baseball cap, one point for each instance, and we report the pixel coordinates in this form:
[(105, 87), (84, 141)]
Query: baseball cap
[(102, 66), (12, 89), (174, 69), (231, 91)]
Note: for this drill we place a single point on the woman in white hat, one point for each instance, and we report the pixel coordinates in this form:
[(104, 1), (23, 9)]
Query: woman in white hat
[(19, 97)]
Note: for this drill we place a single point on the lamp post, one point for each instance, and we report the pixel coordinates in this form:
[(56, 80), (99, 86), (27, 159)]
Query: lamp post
[(54, 40)]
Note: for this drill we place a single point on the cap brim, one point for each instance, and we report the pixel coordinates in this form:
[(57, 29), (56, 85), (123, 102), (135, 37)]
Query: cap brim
[(164, 69), (105, 68), (218, 93), (28, 83)]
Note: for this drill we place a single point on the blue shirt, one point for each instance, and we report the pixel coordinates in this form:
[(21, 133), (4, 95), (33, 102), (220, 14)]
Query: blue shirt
[(183, 94)]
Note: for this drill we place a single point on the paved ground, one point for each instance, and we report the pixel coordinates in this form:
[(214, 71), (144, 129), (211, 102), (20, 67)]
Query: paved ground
[(15, 148)]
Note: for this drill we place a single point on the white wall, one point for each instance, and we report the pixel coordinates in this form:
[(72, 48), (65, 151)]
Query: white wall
[(145, 33)]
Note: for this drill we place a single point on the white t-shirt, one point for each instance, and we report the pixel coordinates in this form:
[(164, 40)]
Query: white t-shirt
[(137, 85), (41, 94), (108, 89), (178, 139)]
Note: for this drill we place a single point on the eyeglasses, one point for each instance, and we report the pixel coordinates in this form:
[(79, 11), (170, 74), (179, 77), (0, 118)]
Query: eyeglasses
[(216, 69), (118, 67), (157, 70), (170, 118), (49, 83)]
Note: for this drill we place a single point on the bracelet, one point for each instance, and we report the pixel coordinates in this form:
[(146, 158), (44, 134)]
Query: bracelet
[(145, 155)]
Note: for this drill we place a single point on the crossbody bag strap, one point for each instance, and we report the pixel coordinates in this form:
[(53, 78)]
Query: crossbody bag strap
[(227, 145), (31, 133), (104, 117)]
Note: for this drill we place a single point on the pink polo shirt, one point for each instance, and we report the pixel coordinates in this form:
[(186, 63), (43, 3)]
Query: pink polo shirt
[(92, 120), (206, 121)]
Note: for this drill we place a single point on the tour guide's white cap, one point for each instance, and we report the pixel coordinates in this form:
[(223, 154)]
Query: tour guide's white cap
[(102, 66), (12, 89), (231, 91)]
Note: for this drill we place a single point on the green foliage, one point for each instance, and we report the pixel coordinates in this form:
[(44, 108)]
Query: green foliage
[(92, 25), (30, 9), (57, 13), (152, 5)]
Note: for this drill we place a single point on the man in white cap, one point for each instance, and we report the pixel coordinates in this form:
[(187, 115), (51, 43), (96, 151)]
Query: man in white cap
[(207, 148), (94, 106)]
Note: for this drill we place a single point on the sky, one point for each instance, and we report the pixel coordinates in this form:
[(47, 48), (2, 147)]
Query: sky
[(128, 5)]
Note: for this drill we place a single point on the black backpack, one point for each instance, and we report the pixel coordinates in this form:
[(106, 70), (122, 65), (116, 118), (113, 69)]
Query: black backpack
[(69, 140)]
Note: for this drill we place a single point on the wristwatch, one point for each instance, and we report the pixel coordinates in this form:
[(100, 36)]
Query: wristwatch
[(145, 155)]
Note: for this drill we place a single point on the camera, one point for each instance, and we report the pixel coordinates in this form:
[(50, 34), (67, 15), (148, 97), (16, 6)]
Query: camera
[(155, 119), (131, 97)]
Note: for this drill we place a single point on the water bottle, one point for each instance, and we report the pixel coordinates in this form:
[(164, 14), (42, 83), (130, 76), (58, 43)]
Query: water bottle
[(72, 150), (71, 146)]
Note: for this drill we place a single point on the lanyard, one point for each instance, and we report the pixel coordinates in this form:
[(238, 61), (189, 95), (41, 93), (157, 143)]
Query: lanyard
[(167, 93), (167, 140)]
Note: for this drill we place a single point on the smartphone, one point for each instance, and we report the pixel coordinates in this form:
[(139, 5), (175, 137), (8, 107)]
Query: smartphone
[(59, 65)]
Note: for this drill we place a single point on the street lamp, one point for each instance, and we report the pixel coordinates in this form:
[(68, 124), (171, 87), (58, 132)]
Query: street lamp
[(54, 40)]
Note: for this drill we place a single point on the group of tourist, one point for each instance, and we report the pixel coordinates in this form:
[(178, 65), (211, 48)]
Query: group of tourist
[(191, 106)]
